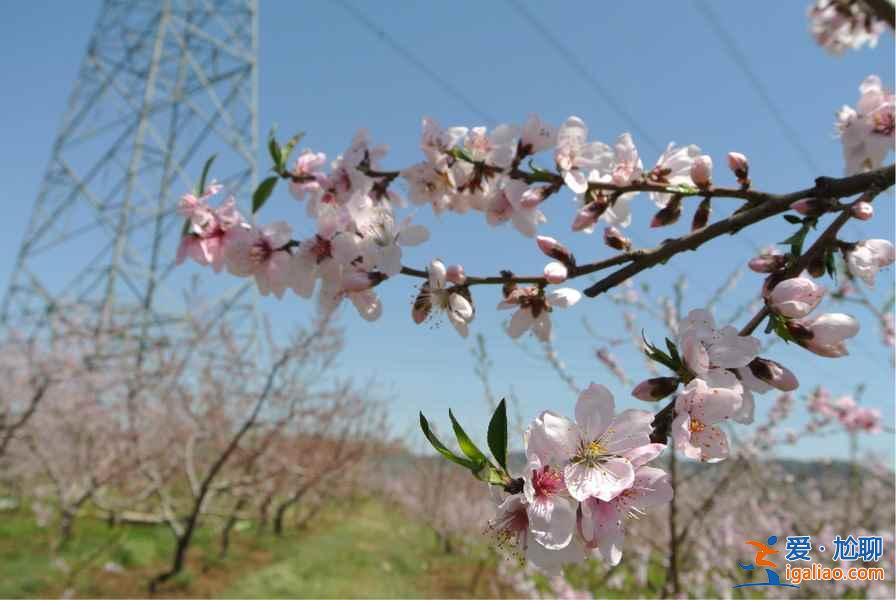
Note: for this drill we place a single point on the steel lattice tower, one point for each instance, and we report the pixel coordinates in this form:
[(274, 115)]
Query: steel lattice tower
[(163, 86)]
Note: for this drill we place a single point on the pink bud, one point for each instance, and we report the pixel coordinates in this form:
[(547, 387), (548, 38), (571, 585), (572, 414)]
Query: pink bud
[(422, 305), (738, 164), (669, 214), (614, 239), (555, 272), (701, 171), (862, 211), (657, 388), (767, 263), (455, 274), (808, 207), (590, 213), (554, 249), (774, 374), (797, 297)]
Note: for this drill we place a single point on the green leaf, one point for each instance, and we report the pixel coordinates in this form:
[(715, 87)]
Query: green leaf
[(441, 448), (263, 192), (466, 444), (673, 350), (287, 150), (830, 265), (793, 219), (274, 151), (200, 187), (497, 434)]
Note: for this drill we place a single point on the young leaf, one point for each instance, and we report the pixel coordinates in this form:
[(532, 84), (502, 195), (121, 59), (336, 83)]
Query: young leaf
[(793, 219), (274, 150), (288, 148), (441, 448), (263, 192), (466, 444), (200, 186), (497, 434)]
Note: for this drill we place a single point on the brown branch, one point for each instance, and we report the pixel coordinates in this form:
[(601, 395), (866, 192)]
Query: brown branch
[(883, 10), (770, 206)]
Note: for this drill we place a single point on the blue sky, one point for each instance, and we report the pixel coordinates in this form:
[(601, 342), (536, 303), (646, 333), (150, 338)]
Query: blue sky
[(324, 72)]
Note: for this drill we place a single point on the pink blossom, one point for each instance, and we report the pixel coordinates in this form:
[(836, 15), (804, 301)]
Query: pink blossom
[(210, 230), (838, 26), (383, 239), (437, 142), (505, 204), (614, 239), (602, 524), (797, 297), (259, 253), (496, 149), (867, 257), (768, 261), (575, 155), (536, 135), (698, 409), (592, 450), (308, 170), (705, 348), (552, 515), (867, 131), (534, 307), (672, 168), (436, 295)]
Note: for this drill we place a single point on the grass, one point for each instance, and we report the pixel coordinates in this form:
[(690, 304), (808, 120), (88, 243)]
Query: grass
[(366, 550)]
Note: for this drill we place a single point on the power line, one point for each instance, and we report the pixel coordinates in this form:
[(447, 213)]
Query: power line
[(738, 57), (606, 95), (411, 59)]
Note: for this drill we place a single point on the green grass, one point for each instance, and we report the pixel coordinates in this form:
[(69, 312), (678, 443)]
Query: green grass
[(367, 549), (373, 553)]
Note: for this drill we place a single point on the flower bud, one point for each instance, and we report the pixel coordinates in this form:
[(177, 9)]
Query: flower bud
[(701, 216), (455, 274), (422, 305), (588, 215), (555, 250), (738, 164), (810, 207), (614, 239), (701, 171), (774, 374), (669, 214), (862, 211), (767, 263), (555, 272), (657, 388), (358, 281), (832, 328), (797, 297)]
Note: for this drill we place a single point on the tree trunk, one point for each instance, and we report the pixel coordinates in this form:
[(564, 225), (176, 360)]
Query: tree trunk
[(228, 527)]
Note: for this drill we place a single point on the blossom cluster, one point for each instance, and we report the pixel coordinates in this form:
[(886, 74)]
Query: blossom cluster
[(845, 411), (582, 481), (868, 131), (840, 25)]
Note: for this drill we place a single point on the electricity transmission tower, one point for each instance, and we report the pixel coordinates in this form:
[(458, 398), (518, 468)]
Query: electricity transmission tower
[(164, 84)]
